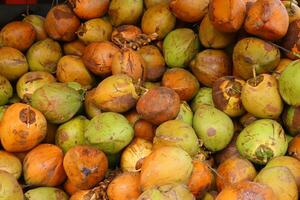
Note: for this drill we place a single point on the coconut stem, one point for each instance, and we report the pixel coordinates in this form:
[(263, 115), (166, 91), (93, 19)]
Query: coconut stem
[(254, 74)]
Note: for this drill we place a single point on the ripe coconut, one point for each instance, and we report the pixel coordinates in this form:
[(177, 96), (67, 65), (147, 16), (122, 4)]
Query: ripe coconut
[(288, 84), (87, 9), (13, 63), (166, 165), (43, 166), (26, 131), (10, 187), (75, 48), (154, 62), (203, 96), (125, 12), (11, 164), (6, 90), (210, 65), (116, 93), (18, 34), (98, 56), (95, 30), (31, 81), (44, 55), (37, 23), (176, 133), (182, 81), (294, 147), (189, 11), (72, 69), (46, 193), (260, 97), (158, 19), (180, 46), (158, 105), (210, 37), (168, 192), (261, 141), (253, 53), (213, 127), (227, 15), (134, 154), (227, 95), (109, 131), (267, 19), (281, 180), (71, 133), (61, 23), (85, 166), (185, 113), (57, 101)]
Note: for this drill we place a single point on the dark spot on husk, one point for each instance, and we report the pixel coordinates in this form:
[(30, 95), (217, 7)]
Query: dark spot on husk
[(255, 81), (86, 171), (211, 132), (64, 136), (139, 164), (27, 116), (271, 108), (62, 14)]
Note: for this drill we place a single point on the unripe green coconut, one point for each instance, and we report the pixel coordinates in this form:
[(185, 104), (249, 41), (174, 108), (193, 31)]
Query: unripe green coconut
[(46, 193), (203, 96), (185, 113), (6, 90)]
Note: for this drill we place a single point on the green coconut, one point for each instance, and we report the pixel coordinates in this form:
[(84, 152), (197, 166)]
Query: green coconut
[(44, 55), (6, 90), (10, 188), (71, 133), (213, 127), (253, 53), (180, 46), (177, 133), (125, 11), (167, 192), (281, 180), (291, 119), (185, 113), (203, 96), (289, 84), (261, 141), (31, 81), (46, 193), (110, 132), (58, 102)]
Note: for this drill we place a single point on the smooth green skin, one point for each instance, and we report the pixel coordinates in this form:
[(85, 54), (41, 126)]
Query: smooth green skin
[(180, 46), (213, 127), (10, 188), (253, 52), (280, 180), (203, 96), (290, 120), (46, 193), (177, 133), (261, 141), (6, 90), (125, 11), (185, 113), (2, 110), (167, 192), (71, 133), (31, 81), (58, 102), (289, 84), (110, 132), (44, 55)]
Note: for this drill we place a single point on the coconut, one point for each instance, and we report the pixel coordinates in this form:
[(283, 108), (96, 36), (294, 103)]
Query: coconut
[(44, 55), (6, 90), (37, 23), (213, 127), (94, 30), (166, 165), (294, 147), (283, 63), (293, 10), (210, 65), (110, 132), (290, 120), (251, 54), (11, 164), (13, 63), (58, 102), (46, 193), (158, 19), (125, 12), (90, 108), (185, 113), (10, 187), (87, 9), (75, 48), (290, 40), (203, 96), (180, 46), (261, 141), (71, 133)]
